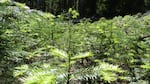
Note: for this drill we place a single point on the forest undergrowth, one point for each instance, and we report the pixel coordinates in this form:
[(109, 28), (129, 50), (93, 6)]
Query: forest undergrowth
[(40, 48)]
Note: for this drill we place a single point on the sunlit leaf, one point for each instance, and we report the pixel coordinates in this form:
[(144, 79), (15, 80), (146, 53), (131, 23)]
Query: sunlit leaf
[(82, 55)]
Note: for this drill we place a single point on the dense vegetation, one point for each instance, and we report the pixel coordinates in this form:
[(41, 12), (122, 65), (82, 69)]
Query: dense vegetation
[(41, 48)]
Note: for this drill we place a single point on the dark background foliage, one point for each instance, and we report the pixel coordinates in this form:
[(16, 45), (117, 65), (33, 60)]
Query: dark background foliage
[(90, 8)]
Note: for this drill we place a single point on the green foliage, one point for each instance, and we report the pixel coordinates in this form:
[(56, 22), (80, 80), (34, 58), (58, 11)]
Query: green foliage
[(73, 13), (104, 71), (82, 55), (40, 78), (40, 48)]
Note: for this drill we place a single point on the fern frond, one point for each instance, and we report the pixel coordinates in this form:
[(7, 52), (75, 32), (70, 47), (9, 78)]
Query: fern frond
[(84, 74), (82, 55), (59, 53), (41, 78), (103, 71)]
